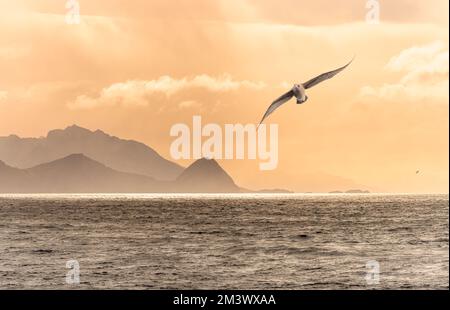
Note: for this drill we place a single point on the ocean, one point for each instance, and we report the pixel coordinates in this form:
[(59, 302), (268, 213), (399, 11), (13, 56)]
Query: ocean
[(264, 241)]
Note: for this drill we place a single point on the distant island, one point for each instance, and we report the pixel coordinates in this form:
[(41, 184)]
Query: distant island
[(352, 191), (275, 191)]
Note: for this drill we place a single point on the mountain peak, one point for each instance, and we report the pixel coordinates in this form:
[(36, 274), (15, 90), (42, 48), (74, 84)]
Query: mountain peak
[(206, 175), (71, 131), (204, 165), (13, 137), (74, 164), (75, 126), (75, 173), (77, 129), (205, 161), (74, 159), (76, 156)]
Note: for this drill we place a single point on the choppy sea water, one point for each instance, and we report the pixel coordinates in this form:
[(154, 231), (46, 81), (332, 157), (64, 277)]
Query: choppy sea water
[(225, 242)]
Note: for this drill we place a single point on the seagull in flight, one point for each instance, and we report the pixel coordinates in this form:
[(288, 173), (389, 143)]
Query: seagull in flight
[(299, 91)]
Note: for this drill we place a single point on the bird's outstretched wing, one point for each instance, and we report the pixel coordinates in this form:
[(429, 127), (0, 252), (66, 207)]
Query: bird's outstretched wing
[(276, 104), (324, 76)]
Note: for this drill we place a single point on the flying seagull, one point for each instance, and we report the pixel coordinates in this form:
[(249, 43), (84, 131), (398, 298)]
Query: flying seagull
[(299, 91)]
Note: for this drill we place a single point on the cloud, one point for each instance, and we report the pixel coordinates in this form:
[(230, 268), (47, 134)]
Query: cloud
[(427, 57), (424, 72), (41, 93), (187, 104), (138, 93)]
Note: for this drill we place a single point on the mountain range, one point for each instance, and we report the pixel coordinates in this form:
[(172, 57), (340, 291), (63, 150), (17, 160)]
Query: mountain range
[(77, 160), (122, 155), (77, 173)]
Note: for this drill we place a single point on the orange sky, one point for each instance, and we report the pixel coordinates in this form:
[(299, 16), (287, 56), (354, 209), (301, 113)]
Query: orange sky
[(121, 68)]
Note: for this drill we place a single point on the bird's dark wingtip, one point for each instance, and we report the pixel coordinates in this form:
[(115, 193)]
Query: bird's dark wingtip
[(353, 58)]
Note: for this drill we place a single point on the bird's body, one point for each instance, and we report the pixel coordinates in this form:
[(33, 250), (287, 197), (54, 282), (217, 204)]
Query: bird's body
[(299, 91)]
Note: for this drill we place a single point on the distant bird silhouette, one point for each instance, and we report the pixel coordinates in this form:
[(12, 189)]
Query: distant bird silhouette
[(299, 91), (418, 171)]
